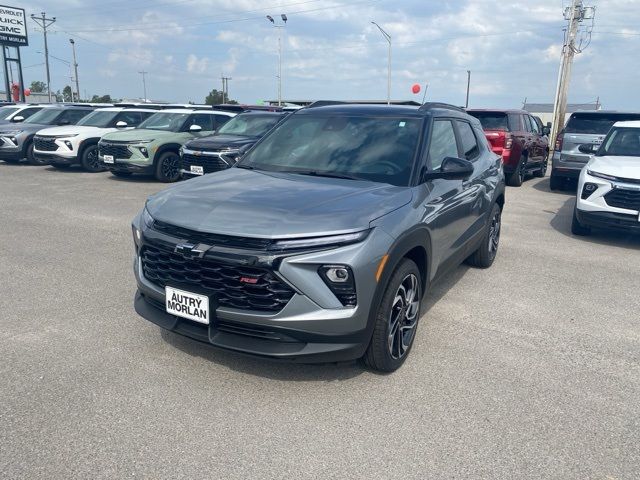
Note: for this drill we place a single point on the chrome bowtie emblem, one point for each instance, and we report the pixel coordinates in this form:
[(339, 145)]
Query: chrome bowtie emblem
[(189, 250)]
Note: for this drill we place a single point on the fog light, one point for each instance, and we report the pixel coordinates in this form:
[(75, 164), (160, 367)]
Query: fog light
[(339, 279), (13, 139), (143, 151), (68, 144), (587, 189)]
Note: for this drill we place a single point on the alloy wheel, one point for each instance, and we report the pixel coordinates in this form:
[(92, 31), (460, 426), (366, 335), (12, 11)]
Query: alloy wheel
[(171, 167), (404, 316), (93, 162), (494, 234)]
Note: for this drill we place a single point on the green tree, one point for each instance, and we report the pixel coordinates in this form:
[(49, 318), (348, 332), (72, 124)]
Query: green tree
[(215, 98), (37, 86), (67, 94), (102, 99)]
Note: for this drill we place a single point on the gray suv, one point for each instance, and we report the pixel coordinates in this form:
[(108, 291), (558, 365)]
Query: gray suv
[(321, 242)]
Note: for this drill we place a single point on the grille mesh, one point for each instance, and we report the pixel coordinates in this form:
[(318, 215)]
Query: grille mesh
[(45, 144), (621, 198), (114, 149)]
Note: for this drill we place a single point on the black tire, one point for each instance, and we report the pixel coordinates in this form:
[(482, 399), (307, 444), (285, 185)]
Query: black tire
[(31, 159), (542, 171), (516, 177), (168, 167), (556, 182), (484, 256), (60, 166), (577, 228), (396, 319), (90, 161), (120, 174)]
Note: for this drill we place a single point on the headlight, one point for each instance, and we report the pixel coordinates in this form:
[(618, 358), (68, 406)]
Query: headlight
[(12, 133), (331, 240), (143, 142), (147, 219), (601, 175)]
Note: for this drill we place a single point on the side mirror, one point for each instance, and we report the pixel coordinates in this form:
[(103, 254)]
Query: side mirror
[(18, 119), (546, 130), (452, 168), (63, 122), (195, 128), (588, 148), (121, 124)]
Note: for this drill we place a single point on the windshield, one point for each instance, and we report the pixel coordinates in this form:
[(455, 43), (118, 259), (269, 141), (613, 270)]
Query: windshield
[(378, 149), (6, 111), (171, 122), (621, 141), (45, 116), (98, 119), (492, 120), (596, 123), (250, 125)]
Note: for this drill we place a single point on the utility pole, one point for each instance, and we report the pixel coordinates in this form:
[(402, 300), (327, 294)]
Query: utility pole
[(225, 88), (279, 27), (466, 104), (574, 14), (388, 39), (75, 66), (45, 22), (144, 83)]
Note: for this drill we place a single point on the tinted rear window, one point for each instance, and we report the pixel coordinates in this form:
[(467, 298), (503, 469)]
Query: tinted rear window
[(596, 123), (492, 120)]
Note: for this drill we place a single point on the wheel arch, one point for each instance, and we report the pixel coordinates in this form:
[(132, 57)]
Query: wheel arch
[(164, 148), (85, 144)]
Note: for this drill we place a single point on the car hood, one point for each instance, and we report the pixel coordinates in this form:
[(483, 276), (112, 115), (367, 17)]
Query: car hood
[(275, 205), (71, 130), (22, 127), (625, 167), (138, 134), (220, 142)]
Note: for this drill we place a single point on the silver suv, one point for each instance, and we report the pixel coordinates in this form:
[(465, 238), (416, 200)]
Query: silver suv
[(320, 243)]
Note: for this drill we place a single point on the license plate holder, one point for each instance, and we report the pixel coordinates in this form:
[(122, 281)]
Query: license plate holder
[(196, 170), (189, 305), (108, 159)]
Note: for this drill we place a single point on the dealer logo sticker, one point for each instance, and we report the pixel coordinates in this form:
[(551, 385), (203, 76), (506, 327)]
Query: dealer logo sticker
[(187, 305)]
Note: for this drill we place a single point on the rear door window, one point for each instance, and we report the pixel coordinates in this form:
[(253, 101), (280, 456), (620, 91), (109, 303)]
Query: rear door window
[(73, 115), (534, 126), (202, 119), (596, 123), (133, 119), (468, 141), (443, 143), (27, 112)]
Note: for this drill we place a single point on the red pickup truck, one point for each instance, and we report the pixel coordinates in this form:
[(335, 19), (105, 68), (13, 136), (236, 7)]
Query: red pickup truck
[(519, 138)]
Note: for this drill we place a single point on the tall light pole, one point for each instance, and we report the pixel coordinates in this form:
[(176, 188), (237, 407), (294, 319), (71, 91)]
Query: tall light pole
[(279, 27), (466, 105), (144, 83), (388, 38), (75, 66), (45, 22)]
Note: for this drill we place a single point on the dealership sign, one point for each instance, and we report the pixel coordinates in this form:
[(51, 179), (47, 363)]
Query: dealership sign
[(13, 27)]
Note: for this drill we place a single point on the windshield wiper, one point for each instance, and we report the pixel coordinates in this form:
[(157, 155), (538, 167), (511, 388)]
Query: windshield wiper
[(316, 173)]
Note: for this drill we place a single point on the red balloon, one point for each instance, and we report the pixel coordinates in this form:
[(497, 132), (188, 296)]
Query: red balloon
[(415, 88), (27, 92)]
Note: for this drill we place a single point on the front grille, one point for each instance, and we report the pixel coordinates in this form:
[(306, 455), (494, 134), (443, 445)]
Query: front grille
[(209, 163), (45, 144), (162, 266), (194, 236), (621, 198), (116, 150)]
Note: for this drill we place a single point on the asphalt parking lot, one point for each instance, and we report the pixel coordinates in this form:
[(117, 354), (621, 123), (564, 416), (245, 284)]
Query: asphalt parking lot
[(530, 369)]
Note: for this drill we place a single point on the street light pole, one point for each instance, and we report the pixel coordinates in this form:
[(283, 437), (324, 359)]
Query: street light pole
[(45, 22), (75, 66), (279, 27), (388, 38), (466, 105), (144, 83)]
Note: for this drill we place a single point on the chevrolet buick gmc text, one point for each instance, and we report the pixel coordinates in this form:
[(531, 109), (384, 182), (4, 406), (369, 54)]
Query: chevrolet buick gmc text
[(321, 242)]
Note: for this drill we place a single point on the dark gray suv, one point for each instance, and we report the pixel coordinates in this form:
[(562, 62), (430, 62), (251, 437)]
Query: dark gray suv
[(320, 244)]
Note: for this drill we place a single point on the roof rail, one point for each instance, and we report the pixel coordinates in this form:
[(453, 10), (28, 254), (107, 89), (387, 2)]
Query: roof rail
[(430, 105), (325, 103)]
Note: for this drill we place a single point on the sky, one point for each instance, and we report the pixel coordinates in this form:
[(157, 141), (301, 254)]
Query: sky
[(331, 50)]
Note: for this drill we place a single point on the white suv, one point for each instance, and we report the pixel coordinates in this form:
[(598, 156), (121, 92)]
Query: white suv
[(609, 186), (78, 144)]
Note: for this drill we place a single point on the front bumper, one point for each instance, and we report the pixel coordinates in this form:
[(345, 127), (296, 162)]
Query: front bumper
[(313, 326), (609, 220), (120, 166), (11, 153), (55, 158)]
